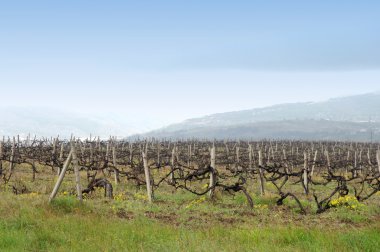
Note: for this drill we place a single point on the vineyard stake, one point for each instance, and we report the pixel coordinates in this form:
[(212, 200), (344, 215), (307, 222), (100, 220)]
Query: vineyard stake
[(212, 173), (11, 164), (147, 175), (77, 173), (314, 162), (305, 174), (61, 176), (172, 162), (1, 156), (116, 171), (262, 189)]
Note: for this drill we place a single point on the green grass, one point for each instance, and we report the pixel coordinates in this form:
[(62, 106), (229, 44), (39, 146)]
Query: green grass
[(28, 223), (175, 223)]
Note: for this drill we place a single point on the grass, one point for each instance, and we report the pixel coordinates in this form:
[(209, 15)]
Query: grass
[(176, 221), (28, 223)]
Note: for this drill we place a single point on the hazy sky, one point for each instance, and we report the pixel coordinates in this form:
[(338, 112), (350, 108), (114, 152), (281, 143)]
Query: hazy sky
[(180, 59)]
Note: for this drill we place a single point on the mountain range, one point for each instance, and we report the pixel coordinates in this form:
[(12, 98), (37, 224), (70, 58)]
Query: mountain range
[(346, 118)]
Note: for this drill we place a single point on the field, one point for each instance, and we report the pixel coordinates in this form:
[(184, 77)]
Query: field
[(207, 197)]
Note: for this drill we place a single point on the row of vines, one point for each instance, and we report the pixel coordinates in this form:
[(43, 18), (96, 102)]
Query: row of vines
[(321, 172)]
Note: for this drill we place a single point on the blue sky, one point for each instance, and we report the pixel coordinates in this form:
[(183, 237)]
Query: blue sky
[(180, 59)]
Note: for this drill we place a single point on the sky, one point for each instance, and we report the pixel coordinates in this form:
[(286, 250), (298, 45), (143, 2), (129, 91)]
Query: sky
[(173, 60)]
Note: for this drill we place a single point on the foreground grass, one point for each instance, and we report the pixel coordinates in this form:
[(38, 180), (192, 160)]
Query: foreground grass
[(27, 223)]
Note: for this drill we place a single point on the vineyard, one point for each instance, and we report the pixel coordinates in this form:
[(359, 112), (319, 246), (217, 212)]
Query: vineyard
[(186, 183)]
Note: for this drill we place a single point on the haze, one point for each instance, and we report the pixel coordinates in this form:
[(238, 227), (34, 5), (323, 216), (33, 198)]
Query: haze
[(173, 60)]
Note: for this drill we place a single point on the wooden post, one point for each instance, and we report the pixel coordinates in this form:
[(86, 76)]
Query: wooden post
[(227, 149), (90, 159), (11, 159), (107, 150), (158, 154), (116, 171), (61, 176), (82, 147), (355, 164), (172, 162), (250, 156), (61, 152), (328, 160), (369, 157), (262, 189), (131, 153), (305, 173), (212, 173), (98, 145), (314, 162), (60, 159), (53, 154), (348, 160), (76, 171), (378, 159), (237, 155), (177, 156), (189, 156), (1, 157), (147, 175), (28, 140)]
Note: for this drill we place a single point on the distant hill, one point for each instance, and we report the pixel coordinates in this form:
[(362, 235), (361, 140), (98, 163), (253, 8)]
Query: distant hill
[(344, 118)]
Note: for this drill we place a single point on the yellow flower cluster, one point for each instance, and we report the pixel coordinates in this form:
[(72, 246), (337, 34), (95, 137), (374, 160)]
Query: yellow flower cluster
[(347, 201), (33, 194), (30, 195), (260, 207), (196, 202), (116, 209), (85, 196), (120, 197), (140, 196)]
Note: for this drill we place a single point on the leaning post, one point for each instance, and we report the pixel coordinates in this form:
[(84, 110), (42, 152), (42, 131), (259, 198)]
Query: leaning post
[(212, 173), (61, 176), (147, 175)]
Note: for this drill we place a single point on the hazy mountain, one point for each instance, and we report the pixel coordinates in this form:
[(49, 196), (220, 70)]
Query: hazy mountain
[(52, 122), (287, 129), (340, 118)]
